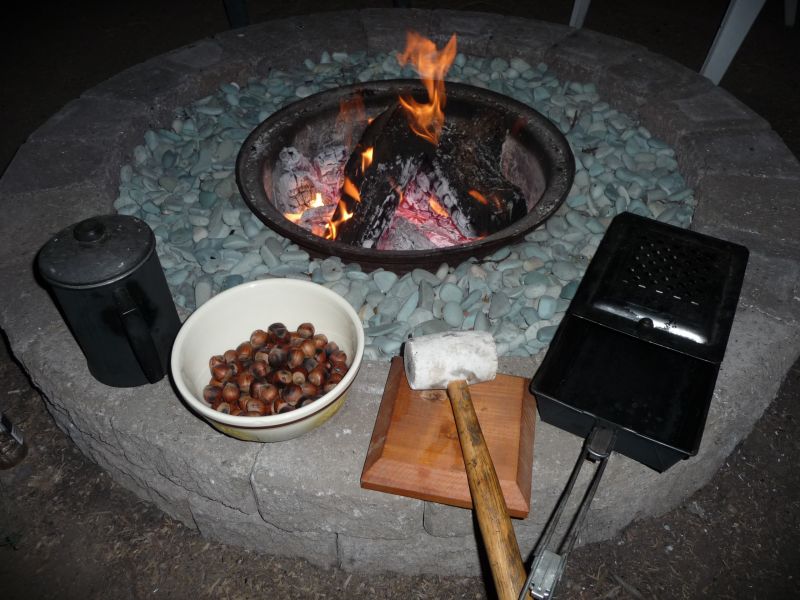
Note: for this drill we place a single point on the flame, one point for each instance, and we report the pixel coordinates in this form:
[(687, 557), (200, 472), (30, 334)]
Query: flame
[(317, 202), (331, 227), (478, 196), (427, 120), (293, 217), (351, 190), (437, 208), (366, 158)]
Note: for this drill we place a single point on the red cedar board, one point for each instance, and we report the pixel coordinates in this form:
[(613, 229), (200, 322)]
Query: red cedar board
[(415, 452)]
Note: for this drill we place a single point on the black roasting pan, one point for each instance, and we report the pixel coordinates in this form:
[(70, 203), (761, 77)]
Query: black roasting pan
[(634, 362)]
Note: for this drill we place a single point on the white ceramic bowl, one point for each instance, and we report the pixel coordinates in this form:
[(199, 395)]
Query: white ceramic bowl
[(229, 318)]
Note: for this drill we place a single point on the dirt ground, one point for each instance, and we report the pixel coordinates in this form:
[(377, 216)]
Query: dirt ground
[(68, 531)]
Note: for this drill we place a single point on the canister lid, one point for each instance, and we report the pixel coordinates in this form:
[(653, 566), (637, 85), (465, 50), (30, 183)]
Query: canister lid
[(96, 251)]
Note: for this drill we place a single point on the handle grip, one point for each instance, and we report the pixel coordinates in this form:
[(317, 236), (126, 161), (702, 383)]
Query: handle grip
[(498, 535), (138, 334)]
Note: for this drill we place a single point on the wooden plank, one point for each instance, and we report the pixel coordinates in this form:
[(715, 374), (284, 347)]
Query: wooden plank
[(414, 450)]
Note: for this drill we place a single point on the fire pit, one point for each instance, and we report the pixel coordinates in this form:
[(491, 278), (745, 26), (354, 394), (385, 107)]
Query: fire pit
[(533, 156)]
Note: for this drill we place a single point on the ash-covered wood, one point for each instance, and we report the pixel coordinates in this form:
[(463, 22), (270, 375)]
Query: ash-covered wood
[(396, 155), (469, 159)]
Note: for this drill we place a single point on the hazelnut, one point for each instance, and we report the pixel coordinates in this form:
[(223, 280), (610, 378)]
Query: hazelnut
[(244, 380), (310, 364), (257, 406), (259, 368), (258, 338), (268, 393), (308, 348), (230, 356), (224, 407), (299, 375), (279, 331), (317, 376), (215, 360), (305, 330), (242, 402), (337, 357), (244, 351), (230, 393), (320, 340), (296, 358), (236, 412), (309, 389), (292, 394), (222, 372), (331, 347), (281, 377), (277, 356), (262, 353), (212, 393)]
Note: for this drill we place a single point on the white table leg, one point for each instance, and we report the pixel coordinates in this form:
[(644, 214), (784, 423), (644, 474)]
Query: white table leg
[(737, 22), (579, 10)]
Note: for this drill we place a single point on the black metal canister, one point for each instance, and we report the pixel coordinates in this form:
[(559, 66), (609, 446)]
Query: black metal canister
[(105, 276)]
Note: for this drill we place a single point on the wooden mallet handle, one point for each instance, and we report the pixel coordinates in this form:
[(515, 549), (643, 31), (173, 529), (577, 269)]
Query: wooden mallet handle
[(487, 497)]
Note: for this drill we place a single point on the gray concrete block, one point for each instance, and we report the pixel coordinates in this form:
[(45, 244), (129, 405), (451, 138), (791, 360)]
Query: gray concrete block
[(644, 77), (772, 286), (389, 35), (763, 208), (67, 163), (474, 31), (311, 483), (107, 120), (515, 36), (420, 554), (710, 110), (286, 43), (159, 434), (741, 153), (586, 55), (167, 496), (48, 211), (218, 522)]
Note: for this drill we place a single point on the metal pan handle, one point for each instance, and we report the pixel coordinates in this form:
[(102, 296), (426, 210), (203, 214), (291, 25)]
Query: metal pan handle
[(548, 566)]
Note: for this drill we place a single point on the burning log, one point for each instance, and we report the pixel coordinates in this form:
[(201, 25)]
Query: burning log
[(470, 162), (385, 159)]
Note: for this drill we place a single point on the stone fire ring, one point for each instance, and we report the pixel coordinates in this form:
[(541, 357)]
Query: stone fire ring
[(265, 496)]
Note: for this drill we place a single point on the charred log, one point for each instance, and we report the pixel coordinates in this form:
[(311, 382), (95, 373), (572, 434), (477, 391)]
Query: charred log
[(470, 161), (371, 193)]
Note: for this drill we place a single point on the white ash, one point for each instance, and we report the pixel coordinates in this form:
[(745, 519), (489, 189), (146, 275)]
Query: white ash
[(301, 178), (413, 226)]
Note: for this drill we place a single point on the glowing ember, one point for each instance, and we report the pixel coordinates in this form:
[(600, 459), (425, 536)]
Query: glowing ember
[(478, 196), (427, 119), (317, 201)]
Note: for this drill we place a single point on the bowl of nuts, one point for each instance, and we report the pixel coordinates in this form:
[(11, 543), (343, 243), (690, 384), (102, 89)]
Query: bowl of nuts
[(268, 360)]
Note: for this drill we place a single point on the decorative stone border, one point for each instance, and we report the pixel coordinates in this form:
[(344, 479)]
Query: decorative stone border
[(302, 497)]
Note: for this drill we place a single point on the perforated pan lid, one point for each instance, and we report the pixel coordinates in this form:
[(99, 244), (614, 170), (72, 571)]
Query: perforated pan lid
[(663, 284)]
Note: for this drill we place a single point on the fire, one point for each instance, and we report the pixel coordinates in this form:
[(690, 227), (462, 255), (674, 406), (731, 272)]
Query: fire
[(478, 196), (351, 190), (494, 199), (366, 158), (333, 224), (427, 119), (438, 208), (293, 217), (317, 202)]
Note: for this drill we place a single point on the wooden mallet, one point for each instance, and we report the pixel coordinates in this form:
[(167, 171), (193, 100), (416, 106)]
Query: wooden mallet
[(453, 361)]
